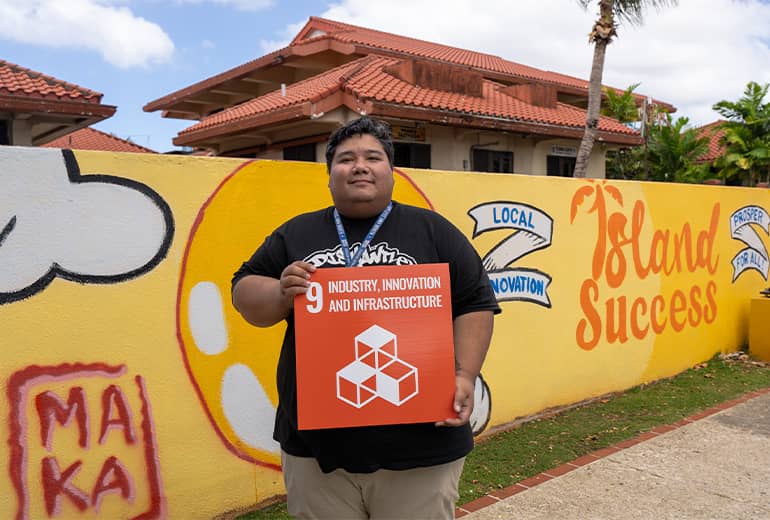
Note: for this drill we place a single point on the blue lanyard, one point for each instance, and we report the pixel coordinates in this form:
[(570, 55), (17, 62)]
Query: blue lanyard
[(353, 262)]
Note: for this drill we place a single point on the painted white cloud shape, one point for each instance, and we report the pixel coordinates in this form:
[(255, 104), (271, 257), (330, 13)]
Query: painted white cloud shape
[(89, 229)]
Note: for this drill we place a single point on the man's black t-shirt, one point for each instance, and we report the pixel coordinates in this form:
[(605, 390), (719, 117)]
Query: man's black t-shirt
[(409, 235)]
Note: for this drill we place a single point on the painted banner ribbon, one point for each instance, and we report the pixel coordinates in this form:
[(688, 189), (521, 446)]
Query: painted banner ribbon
[(534, 231), (755, 256)]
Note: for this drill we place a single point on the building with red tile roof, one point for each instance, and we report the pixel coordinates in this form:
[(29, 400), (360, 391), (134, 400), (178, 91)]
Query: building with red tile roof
[(93, 139), (449, 108), (36, 108), (714, 132)]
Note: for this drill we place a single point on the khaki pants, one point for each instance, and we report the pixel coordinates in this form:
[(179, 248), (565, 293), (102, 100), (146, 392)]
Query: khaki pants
[(420, 493)]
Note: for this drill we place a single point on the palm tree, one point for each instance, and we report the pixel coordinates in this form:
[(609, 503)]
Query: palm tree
[(746, 135), (603, 31)]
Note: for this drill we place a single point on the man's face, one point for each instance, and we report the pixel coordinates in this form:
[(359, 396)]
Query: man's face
[(361, 177)]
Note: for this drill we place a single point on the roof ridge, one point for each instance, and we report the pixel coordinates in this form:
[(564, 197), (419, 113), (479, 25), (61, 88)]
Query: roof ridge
[(713, 123), (355, 67), (354, 64), (347, 27), (361, 63), (325, 20), (89, 138), (116, 138), (305, 41), (364, 63)]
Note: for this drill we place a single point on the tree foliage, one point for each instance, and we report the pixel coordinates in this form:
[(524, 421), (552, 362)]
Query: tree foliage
[(670, 154), (673, 150), (631, 11), (621, 106), (746, 136)]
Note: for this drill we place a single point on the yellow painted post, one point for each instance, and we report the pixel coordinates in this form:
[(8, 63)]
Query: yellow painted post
[(759, 328)]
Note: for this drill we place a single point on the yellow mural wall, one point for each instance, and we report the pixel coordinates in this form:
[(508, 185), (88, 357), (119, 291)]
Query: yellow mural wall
[(134, 390)]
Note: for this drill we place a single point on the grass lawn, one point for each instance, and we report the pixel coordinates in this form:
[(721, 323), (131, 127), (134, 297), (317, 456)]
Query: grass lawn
[(508, 457)]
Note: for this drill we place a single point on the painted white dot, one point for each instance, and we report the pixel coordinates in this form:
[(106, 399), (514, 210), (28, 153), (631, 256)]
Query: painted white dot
[(248, 409), (207, 318)]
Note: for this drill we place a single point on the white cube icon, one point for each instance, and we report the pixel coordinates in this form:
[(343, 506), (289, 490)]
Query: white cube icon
[(356, 384), (376, 346), (397, 382), (377, 371)]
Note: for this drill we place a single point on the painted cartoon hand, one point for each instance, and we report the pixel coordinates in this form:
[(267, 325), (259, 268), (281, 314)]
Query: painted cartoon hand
[(511, 249)]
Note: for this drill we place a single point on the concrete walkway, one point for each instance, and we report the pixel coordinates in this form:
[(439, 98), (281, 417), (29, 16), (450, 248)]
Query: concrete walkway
[(713, 465)]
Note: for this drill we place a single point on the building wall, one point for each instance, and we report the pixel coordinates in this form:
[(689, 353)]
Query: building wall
[(21, 132), (132, 386), (451, 149), (273, 154)]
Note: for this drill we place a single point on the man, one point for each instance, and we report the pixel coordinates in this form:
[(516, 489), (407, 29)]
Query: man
[(394, 471)]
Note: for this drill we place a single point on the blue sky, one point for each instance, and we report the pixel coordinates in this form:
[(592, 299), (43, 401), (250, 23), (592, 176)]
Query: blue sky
[(135, 51), (207, 38)]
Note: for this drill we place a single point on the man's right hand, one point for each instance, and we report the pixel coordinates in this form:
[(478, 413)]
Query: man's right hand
[(264, 301), (295, 279)]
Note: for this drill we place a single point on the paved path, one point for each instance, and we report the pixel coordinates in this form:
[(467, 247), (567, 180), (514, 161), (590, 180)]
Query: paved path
[(713, 465)]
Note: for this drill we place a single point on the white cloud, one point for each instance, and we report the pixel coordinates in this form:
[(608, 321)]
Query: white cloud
[(240, 5), (691, 55), (286, 36), (122, 38)]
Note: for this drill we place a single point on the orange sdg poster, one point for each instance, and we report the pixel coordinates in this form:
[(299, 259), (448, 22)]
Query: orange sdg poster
[(374, 346)]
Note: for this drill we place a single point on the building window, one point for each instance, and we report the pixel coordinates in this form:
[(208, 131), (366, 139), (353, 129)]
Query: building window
[(559, 166), (492, 161), (411, 155), (301, 152), (5, 137)]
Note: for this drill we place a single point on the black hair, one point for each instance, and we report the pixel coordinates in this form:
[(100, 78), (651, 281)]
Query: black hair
[(378, 129)]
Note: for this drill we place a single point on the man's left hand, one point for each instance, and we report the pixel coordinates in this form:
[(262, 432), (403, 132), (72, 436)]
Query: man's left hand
[(463, 401)]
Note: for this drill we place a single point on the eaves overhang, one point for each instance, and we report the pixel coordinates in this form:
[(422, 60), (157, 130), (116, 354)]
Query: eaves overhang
[(310, 109), (239, 81), (450, 118), (48, 106)]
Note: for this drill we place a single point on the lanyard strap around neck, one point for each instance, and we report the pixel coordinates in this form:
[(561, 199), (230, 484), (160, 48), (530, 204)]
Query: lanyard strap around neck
[(355, 259)]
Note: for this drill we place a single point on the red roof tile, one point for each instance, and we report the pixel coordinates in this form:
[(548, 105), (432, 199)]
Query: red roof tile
[(93, 139), (714, 133), (369, 41), (22, 82), (296, 93), (366, 80), (420, 48)]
